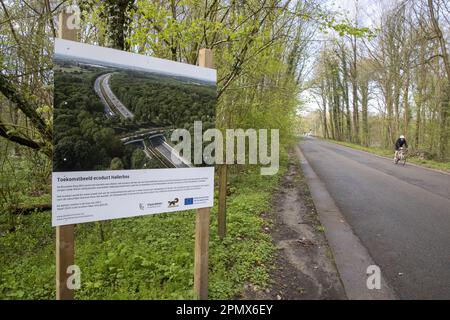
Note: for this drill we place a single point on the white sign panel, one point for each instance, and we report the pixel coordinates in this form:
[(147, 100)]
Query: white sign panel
[(88, 196)]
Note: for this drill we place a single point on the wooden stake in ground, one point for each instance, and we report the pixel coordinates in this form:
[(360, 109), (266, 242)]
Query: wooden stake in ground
[(222, 213), (202, 221), (201, 253), (65, 240)]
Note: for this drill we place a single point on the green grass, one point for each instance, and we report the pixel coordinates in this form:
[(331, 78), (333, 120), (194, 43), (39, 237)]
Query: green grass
[(444, 166), (148, 257)]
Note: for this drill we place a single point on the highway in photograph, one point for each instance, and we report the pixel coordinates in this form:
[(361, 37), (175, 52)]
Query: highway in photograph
[(109, 99), (153, 141)]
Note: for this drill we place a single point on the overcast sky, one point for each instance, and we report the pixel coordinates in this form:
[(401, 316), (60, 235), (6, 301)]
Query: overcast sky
[(368, 10)]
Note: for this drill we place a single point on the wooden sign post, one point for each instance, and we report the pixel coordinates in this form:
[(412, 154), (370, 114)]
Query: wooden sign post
[(202, 220), (201, 253), (65, 257), (222, 212), (65, 240)]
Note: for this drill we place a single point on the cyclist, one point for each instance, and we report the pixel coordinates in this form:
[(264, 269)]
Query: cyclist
[(399, 144)]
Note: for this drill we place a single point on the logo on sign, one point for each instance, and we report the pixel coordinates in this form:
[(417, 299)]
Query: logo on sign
[(173, 203), (188, 201)]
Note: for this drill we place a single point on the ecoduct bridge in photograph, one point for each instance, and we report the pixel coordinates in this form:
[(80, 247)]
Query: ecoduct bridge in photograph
[(153, 141)]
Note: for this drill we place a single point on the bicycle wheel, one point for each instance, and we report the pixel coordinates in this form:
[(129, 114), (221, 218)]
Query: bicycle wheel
[(404, 161)]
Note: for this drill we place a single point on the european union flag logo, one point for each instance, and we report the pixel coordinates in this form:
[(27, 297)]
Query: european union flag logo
[(188, 201)]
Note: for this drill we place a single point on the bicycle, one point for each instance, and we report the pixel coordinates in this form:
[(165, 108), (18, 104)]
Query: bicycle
[(401, 156)]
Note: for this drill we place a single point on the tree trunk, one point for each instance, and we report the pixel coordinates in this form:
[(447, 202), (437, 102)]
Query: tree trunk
[(324, 105), (364, 112), (344, 87), (355, 92), (445, 102), (117, 23), (406, 110)]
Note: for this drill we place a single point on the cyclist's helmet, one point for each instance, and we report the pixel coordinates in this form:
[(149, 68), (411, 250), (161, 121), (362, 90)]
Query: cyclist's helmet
[(402, 137)]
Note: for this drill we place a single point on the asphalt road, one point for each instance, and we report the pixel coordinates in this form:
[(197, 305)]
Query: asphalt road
[(166, 151), (103, 82), (401, 215), (98, 81)]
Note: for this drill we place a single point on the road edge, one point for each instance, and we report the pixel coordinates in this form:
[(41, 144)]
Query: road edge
[(350, 255), (384, 157)]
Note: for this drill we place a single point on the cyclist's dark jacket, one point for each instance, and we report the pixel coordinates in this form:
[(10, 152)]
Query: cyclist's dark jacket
[(400, 143)]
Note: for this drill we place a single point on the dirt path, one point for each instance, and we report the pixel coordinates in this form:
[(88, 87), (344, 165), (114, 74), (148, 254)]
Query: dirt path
[(304, 267)]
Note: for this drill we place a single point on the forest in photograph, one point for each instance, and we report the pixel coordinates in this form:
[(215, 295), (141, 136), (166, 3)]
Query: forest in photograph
[(115, 118)]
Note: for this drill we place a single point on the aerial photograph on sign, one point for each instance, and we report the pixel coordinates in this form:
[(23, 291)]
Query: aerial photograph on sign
[(115, 110)]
